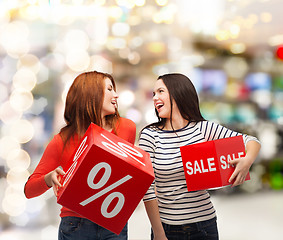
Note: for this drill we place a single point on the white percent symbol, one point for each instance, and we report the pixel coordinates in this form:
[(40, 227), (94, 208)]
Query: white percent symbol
[(100, 184), (123, 149)]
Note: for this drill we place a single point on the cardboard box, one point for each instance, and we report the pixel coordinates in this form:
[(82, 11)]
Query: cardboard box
[(106, 179), (206, 164)]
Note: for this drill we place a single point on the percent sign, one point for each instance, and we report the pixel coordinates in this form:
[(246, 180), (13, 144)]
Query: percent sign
[(123, 150), (100, 184), (78, 153)]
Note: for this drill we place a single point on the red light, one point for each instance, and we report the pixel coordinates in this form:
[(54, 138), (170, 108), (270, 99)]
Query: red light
[(279, 52)]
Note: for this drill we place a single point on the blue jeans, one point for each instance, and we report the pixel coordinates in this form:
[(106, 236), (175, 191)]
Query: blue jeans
[(75, 228), (205, 230)]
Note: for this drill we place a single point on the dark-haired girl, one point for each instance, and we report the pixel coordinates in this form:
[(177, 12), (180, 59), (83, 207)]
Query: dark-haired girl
[(174, 212), (92, 98)]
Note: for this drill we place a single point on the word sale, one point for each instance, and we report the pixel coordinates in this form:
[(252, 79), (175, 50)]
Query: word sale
[(208, 165)]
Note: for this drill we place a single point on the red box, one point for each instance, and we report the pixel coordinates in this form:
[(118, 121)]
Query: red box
[(106, 179), (206, 164)]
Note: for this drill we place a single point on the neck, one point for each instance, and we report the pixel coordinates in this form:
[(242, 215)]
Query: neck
[(177, 123), (106, 126)]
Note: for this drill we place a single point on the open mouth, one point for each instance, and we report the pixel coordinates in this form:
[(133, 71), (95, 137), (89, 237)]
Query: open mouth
[(114, 103), (158, 106)]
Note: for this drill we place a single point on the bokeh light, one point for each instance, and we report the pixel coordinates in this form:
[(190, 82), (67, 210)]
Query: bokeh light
[(24, 79), (78, 60), (14, 38), (18, 160), (126, 98), (21, 100), (8, 114), (7, 145)]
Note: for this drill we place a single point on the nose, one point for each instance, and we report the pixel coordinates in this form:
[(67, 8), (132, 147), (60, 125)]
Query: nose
[(115, 95)]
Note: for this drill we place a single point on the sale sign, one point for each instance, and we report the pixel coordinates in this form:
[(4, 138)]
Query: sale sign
[(206, 164), (106, 179)]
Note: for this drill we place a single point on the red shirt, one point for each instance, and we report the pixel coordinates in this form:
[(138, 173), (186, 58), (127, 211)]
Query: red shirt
[(53, 157)]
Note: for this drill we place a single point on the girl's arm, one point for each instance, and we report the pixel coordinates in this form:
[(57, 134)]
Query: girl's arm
[(147, 143), (152, 210), (213, 131), (43, 176), (243, 164)]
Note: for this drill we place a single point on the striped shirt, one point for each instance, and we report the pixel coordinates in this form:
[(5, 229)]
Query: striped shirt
[(177, 206)]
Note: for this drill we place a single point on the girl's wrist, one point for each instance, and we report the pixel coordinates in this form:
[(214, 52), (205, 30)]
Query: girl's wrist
[(47, 180), (249, 160)]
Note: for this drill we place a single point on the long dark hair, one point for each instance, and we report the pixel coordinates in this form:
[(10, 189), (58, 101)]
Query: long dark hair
[(84, 104), (183, 92)]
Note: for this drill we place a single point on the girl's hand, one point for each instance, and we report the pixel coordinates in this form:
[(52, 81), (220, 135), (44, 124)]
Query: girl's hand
[(52, 179), (241, 170), (243, 164)]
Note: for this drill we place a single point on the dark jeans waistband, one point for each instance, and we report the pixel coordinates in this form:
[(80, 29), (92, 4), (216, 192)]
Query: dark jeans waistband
[(196, 225)]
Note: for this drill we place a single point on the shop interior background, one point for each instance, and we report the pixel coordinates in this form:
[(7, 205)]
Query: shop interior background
[(232, 50)]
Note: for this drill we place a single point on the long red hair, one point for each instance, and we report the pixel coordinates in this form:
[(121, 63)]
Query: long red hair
[(84, 104)]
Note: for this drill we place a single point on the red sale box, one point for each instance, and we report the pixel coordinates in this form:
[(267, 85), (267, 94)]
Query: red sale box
[(206, 164), (106, 179)]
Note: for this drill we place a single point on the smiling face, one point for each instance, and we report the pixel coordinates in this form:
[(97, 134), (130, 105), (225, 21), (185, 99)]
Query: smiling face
[(161, 99), (110, 99)]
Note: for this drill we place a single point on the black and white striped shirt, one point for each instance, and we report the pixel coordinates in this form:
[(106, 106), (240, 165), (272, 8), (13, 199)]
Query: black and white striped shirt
[(177, 206)]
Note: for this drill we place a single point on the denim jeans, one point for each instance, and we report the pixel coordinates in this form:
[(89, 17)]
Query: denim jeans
[(205, 230), (75, 228)]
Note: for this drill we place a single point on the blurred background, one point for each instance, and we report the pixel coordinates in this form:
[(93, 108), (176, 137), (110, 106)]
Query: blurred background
[(232, 50)]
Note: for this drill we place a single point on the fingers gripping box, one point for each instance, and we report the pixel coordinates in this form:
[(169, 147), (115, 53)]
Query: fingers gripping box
[(106, 179), (206, 164)]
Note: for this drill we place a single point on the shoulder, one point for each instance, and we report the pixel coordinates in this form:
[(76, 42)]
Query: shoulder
[(147, 138), (149, 129), (55, 145), (125, 123), (206, 124), (126, 129), (150, 132), (56, 140)]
